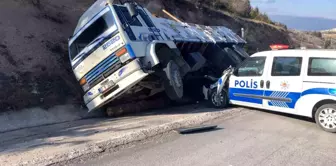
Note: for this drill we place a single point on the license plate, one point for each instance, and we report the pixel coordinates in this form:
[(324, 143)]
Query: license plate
[(105, 86)]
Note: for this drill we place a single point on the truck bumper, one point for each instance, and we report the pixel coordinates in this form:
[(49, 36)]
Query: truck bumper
[(124, 79)]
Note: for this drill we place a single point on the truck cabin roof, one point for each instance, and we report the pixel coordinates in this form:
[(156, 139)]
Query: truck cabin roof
[(98, 6)]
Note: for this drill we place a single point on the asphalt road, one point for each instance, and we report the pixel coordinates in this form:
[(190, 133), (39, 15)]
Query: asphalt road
[(253, 138)]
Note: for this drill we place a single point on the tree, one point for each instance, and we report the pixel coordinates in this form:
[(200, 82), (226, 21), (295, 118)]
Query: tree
[(327, 43), (317, 34), (254, 13)]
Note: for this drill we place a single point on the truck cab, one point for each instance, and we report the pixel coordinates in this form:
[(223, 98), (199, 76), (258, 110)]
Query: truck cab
[(103, 55), (120, 50)]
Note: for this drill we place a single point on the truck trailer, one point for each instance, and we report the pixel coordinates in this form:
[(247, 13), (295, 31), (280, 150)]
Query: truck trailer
[(120, 50)]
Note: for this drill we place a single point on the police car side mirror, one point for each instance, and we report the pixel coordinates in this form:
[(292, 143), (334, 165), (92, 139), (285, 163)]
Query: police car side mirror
[(131, 7), (235, 72)]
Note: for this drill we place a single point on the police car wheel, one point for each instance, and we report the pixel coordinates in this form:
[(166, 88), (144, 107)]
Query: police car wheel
[(218, 100), (325, 117)]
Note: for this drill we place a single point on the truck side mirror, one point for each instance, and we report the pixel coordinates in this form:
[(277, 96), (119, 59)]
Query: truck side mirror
[(131, 7)]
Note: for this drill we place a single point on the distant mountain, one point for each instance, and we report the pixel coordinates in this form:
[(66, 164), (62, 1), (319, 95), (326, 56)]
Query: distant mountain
[(305, 23)]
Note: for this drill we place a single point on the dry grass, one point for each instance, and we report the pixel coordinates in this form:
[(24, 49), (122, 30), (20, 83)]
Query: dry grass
[(331, 35), (245, 19)]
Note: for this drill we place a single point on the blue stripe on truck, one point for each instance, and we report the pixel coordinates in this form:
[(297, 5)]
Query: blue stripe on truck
[(101, 67)]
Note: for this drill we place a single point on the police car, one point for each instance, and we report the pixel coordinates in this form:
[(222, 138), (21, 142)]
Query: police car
[(300, 82)]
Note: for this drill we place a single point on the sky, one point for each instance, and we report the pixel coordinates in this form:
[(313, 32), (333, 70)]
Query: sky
[(306, 8)]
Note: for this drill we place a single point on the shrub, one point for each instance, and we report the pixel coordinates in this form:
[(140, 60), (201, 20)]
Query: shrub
[(240, 7), (327, 43), (317, 34), (257, 15)]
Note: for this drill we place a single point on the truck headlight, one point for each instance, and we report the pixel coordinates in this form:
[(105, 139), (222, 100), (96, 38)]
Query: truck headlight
[(86, 87), (124, 58), (123, 55), (82, 81)]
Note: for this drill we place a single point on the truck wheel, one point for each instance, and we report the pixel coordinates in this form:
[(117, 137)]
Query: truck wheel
[(325, 117), (218, 100), (173, 83)]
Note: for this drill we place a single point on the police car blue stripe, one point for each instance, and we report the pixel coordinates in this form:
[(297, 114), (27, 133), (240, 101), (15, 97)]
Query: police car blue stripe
[(281, 104), (322, 91), (284, 104), (292, 96), (233, 91), (281, 94), (272, 103), (275, 94), (277, 103)]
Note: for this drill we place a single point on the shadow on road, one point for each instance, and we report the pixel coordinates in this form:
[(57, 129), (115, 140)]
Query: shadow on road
[(202, 131), (59, 134), (287, 115)]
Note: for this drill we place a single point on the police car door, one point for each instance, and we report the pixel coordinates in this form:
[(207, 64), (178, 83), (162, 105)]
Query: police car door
[(283, 84), (246, 85)]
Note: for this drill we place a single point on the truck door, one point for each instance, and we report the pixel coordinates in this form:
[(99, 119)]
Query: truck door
[(283, 84), (246, 85), (138, 28)]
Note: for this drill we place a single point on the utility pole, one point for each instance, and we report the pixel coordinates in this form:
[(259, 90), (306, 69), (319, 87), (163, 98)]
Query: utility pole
[(242, 33)]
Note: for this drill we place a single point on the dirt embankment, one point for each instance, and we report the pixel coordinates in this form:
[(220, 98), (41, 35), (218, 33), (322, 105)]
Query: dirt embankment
[(34, 65)]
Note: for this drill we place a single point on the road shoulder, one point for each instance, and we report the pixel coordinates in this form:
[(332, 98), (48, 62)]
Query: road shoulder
[(56, 143)]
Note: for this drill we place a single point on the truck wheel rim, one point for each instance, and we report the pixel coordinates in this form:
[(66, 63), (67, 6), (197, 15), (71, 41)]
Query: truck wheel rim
[(327, 118), (177, 78)]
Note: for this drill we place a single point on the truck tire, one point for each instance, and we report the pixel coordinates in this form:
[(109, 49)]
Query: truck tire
[(325, 117), (218, 101), (173, 83)]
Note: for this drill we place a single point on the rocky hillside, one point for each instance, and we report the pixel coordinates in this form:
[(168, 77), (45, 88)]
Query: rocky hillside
[(330, 38), (34, 65)]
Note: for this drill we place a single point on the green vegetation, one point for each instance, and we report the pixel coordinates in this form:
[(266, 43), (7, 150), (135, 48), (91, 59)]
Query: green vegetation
[(257, 15), (240, 8), (317, 34)]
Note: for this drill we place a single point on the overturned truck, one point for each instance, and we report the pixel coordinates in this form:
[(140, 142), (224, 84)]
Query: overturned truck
[(121, 51)]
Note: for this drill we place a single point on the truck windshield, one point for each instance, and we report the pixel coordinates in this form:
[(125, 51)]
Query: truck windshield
[(90, 34)]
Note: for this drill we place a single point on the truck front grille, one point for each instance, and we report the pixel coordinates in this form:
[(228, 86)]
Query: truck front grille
[(103, 70)]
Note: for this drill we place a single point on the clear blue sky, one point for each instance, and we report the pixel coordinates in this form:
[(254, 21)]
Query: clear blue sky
[(310, 8)]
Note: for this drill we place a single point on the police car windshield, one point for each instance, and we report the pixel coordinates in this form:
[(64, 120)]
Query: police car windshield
[(90, 34), (252, 66)]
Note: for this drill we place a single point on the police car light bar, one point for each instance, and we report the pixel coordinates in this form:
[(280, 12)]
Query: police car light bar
[(279, 46)]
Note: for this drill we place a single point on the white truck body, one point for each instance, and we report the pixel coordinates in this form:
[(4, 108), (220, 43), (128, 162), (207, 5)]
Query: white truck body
[(111, 51)]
